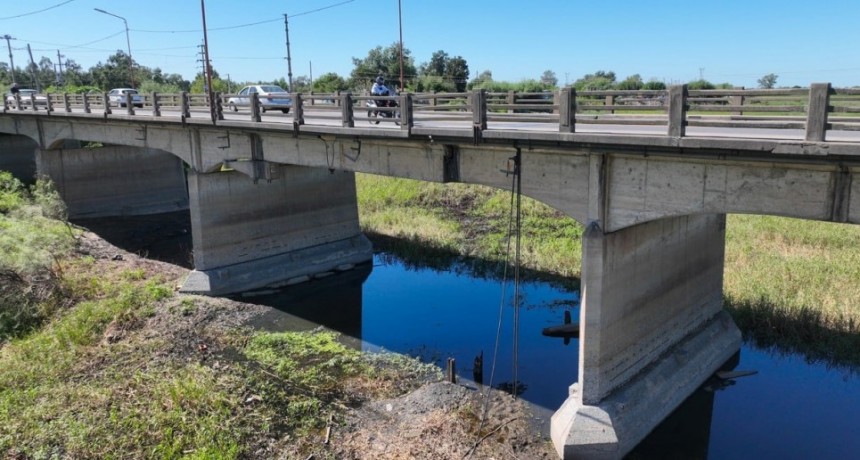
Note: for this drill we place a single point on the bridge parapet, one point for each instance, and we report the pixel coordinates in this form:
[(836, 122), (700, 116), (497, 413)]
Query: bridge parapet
[(818, 114)]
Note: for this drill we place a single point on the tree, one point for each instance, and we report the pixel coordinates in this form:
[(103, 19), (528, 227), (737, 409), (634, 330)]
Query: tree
[(114, 72), (700, 84), (768, 81), (633, 82), (600, 80), (443, 73), (385, 62), (330, 83), (482, 79), (654, 85), (548, 79)]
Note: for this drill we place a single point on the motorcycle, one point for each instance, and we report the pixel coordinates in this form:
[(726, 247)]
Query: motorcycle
[(375, 116)]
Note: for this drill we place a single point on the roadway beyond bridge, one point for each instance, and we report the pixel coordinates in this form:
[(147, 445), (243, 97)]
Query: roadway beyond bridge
[(273, 202)]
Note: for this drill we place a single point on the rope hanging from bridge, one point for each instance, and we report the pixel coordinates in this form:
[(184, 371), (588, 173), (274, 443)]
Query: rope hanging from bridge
[(514, 233)]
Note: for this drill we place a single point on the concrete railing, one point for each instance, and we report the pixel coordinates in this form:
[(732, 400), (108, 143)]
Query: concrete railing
[(815, 110)]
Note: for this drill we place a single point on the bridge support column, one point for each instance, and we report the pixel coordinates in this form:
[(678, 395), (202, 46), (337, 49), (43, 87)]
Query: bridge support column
[(248, 236), (652, 330), (115, 180), (18, 156)]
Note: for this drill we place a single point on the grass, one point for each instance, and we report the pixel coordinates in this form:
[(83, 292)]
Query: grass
[(111, 365), (789, 283)]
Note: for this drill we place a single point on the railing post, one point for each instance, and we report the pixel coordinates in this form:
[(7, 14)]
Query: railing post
[(567, 110), (299, 109), (5, 104), (347, 118), (66, 102), (313, 102), (609, 100), (156, 106), (184, 106), (219, 105), (129, 104), (677, 110), (87, 103), (49, 106), (434, 100), (737, 101), (816, 113), (255, 107), (479, 113), (33, 102), (106, 104), (337, 98), (511, 100), (406, 112)]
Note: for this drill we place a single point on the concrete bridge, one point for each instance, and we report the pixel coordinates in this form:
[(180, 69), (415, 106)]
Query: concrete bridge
[(272, 202)]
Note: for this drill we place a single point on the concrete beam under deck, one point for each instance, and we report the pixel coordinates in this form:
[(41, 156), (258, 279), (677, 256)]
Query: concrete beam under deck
[(652, 331), (266, 234)]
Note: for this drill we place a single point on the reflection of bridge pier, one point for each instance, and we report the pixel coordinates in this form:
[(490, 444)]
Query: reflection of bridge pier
[(334, 302)]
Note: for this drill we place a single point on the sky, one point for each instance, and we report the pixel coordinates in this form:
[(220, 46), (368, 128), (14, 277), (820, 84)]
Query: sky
[(674, 41)]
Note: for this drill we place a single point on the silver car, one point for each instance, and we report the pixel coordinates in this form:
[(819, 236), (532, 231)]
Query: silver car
[(272, 97), (24, 95), (117, 97)]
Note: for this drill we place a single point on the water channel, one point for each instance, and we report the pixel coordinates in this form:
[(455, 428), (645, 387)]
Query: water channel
[(789, 409)]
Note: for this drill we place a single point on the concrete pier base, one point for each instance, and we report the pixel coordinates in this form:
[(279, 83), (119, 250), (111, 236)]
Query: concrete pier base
[(115, 180), (613, 427), (250, 236), (652, 330)]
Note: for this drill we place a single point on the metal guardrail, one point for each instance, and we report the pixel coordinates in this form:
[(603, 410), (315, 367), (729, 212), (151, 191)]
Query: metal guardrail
[(676, 108)]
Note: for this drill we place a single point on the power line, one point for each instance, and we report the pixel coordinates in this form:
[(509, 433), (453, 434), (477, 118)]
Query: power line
[(39, 11), (241, 25)]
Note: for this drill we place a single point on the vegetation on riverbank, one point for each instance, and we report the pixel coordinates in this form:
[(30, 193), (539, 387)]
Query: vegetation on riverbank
[(789, 283), (100, 359)]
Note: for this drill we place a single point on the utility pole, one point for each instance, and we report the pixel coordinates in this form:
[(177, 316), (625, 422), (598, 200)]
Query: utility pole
[(209, 91), (60, 78), (289, 58), (33, 69), (11, 62), (311, 69), (701, 73), (400, 22)]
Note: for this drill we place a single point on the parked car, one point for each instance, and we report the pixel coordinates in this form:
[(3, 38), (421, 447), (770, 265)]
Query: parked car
[(41, 99), (117, 97), (272, 97)]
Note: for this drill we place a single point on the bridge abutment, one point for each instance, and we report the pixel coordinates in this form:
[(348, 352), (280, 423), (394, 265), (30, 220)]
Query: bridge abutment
[(252, 235), (115, 180), (652, 330)]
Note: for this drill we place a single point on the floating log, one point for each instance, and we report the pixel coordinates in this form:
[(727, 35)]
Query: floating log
[(565, 330), (726, 375)]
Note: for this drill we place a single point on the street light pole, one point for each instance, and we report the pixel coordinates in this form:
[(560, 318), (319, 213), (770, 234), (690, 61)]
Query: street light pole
[(400, 22), (127, 42)]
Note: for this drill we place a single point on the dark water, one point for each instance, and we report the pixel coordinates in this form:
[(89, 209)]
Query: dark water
[(790, 409)]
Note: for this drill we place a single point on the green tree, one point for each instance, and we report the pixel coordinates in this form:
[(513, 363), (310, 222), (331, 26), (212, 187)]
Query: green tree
[(768, 81), (114, 73), (548, 79), (600, 80), (654, 85), (198, 86), (385, 62), (633, 82), (700, 84), (330, 83), (482, 79)]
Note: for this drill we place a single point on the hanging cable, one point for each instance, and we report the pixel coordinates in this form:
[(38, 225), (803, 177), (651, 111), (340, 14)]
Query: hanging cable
[(518, 225), (514, 221)]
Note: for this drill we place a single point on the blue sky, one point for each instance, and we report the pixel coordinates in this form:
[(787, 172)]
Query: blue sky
[(668, 40)]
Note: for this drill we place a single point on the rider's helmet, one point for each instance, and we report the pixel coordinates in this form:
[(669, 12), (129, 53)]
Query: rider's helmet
[(380, 80)]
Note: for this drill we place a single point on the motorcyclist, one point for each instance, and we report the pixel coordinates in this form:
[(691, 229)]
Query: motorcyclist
[(379, 89)]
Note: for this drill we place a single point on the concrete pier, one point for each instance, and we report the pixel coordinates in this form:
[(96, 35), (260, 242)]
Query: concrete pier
[(18, 156), (652, 330), (115, 180), (251, 235)]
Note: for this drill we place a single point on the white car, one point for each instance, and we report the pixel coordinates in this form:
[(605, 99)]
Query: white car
[(117, 97), (24, 95), (272, 97)]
